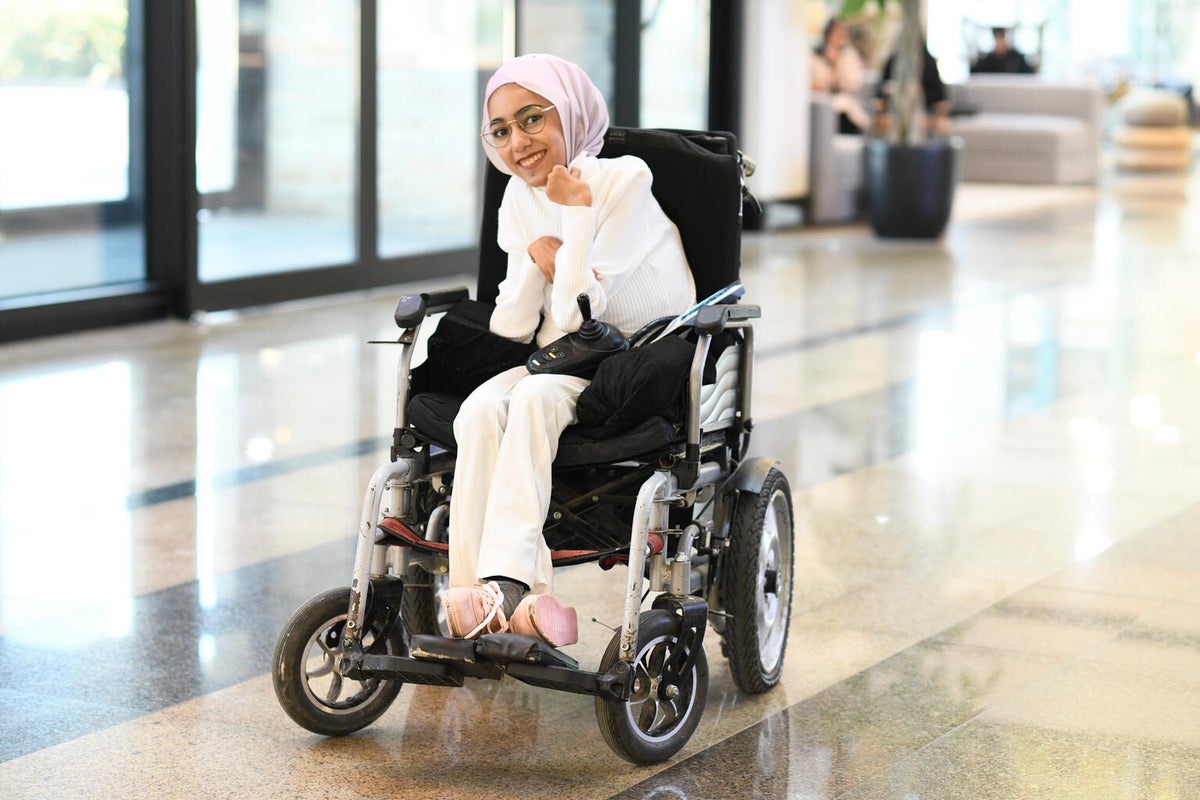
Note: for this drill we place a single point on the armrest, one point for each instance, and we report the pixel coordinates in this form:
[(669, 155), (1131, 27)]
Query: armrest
[(713, 319), (412, 308), (822, 126)]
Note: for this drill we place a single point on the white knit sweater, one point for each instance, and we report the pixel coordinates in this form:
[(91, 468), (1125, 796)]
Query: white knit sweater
[(623, 237)]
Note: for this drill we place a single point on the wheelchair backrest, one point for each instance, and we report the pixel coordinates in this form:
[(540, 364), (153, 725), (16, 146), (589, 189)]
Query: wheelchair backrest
[(697, 181)]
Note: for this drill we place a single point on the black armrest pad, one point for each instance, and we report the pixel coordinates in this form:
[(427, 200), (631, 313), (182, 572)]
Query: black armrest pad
[(711, 319), (441, 301), (412, 308), (741, 312)]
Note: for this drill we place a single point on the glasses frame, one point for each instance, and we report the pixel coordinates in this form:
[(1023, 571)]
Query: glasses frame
[(537, 127)]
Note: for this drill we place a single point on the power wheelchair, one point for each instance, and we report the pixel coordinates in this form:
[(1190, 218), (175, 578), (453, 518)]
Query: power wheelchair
[(701, 525)]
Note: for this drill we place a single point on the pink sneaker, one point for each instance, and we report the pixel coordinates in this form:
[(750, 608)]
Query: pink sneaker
[(541, 616), (472, 611)]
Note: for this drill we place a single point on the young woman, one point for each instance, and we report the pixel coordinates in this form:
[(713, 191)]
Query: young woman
[(570, 223)]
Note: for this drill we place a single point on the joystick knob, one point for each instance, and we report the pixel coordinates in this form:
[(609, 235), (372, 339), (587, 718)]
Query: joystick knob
[(591, 328)]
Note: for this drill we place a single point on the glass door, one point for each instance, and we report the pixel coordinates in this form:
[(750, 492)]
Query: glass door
[(434, 59), (71, 167), (583, 31), (674, 64), (336, 144), (276, 126)]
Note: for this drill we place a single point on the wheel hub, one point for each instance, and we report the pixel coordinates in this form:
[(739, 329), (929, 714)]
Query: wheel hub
[(771, 582)]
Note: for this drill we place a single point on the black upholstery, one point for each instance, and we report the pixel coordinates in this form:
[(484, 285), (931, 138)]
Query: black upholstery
[(432, 415), (686, 165)]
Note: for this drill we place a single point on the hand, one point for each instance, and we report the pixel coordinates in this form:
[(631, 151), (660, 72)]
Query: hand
[(543, 252), (566, 187), (939, 122)]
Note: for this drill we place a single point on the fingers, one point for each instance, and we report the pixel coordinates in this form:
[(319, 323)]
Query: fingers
[(567, 187), (560, 172), (542, 252)]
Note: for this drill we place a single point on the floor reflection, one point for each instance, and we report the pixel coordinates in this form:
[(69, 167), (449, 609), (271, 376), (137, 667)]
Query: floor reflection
[(66, 443)]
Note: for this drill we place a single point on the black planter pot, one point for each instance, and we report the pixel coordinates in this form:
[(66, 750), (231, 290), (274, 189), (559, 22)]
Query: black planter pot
[(910, 188)]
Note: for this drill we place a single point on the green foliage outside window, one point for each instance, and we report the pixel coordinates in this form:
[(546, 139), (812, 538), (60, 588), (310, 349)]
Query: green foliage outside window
[(62, 39)]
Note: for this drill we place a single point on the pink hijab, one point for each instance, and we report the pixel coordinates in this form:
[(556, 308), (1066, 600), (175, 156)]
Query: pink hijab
[(579, 103)]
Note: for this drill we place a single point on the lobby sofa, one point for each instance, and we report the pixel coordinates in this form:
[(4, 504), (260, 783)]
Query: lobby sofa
[(1022, 129), (1015, 129)]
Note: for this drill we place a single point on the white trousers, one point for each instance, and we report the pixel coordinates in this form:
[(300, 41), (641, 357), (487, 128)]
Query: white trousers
[(507, 432)]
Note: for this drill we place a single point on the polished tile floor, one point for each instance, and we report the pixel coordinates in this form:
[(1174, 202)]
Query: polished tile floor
[(994, 446)]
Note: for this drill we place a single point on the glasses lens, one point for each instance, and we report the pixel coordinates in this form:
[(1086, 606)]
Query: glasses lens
[(497, 135), (532, 119)]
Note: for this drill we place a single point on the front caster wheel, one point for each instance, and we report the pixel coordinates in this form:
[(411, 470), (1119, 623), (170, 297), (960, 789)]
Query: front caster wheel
[(306, 669), (659, 717), (757, 584)]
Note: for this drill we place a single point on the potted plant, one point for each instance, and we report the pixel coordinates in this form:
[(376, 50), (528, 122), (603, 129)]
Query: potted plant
[(911, 170)]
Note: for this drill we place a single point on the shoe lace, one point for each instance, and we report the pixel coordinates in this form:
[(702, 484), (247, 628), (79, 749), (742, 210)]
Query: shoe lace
[(496, 612)]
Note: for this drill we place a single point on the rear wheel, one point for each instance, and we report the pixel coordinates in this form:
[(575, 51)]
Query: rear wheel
[(757, 584), (659, 717), (306, 669)]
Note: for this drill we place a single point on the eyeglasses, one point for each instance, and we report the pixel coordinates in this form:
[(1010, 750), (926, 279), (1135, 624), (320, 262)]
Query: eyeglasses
[(530, 119)]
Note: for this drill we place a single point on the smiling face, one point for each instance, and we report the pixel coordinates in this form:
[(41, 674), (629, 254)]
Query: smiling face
[(530, 156)]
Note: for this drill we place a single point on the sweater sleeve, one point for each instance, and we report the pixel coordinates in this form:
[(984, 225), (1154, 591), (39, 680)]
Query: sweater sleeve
[(604, 243), (520, 295)]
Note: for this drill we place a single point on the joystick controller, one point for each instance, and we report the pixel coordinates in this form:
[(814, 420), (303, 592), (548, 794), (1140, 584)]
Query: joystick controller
[(579, 353)]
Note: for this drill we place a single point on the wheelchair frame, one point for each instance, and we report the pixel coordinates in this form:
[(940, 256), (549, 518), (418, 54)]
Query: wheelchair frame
[(709, 471)]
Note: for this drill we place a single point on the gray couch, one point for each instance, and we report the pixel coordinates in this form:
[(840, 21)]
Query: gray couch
[(835, 175), (1015, 128), (1022, 129)]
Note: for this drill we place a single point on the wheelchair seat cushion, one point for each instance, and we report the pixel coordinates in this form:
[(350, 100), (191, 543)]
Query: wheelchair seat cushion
[(432, 414)]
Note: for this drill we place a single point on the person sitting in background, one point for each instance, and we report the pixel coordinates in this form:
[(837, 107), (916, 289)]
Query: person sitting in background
[(838, 70), (937, 102), (1003, 58)]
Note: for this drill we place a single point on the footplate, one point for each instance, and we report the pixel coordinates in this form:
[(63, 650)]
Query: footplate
[(410, 670), (509, 648), (458, 654), (522, 657)]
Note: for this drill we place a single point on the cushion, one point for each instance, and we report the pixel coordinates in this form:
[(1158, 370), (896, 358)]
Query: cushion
[(1154, 138), (1153, 158), (1153, 108), (1022, 133)]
